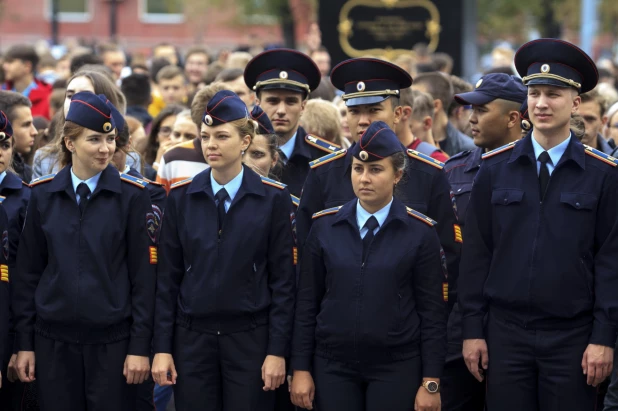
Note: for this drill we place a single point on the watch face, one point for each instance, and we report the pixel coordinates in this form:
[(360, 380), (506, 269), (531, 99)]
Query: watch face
[(432, 386)]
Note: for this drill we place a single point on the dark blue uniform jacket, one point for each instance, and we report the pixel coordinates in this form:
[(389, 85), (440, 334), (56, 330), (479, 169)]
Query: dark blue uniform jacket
[(424, 188), (230, 282), (4, 285), (90, 278), (388, 308), (542, 265)]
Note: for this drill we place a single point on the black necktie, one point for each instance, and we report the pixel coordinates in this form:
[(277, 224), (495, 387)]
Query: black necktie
[(83, 192), (371, 224), (543, 173), (221, 196)]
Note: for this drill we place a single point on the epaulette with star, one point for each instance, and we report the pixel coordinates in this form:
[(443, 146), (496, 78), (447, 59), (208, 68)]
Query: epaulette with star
[(417, 155), (295, 200), (182, 183), (421, 216), (274, 183), (42, 179), (322, 144), (499, 150), (138, 182), (599, 155), (328, 158), (328, 211)]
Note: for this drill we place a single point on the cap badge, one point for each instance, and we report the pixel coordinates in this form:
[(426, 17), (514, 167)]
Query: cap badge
[(360, 86), (107, 127), (363, 155), (283, 75), (545, 68), (208, 120), (478, 83), (525, 124)]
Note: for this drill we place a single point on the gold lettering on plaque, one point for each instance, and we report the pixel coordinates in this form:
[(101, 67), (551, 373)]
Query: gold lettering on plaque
[(387, 28)]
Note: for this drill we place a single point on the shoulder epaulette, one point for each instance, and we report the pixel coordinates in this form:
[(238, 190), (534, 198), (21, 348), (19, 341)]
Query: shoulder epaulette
[(425, 158), (421, 217), (2, 198), (599, 155), (154, 183), (42, 179), (499, 150), (328, 211), (181, 183), (458, 155), (274, 183), (322, 144), (327, 158), (133, 180), (295, 200), (24, 183)]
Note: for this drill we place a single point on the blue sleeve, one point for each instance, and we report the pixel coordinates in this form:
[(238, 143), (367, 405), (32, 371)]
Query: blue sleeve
[(281, 275), (430, 306), (142, 260), (440, 208), (4, 285), (170, 272), (476, 257), (311, 290), (310, 203), (31, 263)]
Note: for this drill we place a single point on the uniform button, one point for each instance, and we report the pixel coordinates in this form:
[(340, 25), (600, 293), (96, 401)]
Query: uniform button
[(577, 205), (218, 332), (459, 190), (506, 200)]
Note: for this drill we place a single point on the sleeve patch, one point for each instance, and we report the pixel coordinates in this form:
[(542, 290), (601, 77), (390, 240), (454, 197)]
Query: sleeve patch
[(458, 236), (5, 245), (4, 273), (445, 291), (295, 252), (154, 257)]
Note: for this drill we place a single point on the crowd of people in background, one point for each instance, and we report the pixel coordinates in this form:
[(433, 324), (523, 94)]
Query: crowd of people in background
[(163, 97)]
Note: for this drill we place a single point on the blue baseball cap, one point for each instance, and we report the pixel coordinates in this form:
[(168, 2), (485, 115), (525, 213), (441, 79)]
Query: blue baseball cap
[(224, 107), (377, 142), (494, 86), (91, 111)]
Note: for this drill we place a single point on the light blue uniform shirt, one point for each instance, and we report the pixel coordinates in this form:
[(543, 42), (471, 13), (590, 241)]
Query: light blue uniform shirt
[(91, 183), (555, 154), (288, 148), (363, 215), (232, 187)]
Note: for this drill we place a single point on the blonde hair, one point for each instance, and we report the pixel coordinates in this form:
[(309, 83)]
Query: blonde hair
[(322, 119), (238, 59)]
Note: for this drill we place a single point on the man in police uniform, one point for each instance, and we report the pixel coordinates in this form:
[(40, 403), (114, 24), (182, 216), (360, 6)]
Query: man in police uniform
[(371, 92), (495, 122), (283, 79), (539, 257)]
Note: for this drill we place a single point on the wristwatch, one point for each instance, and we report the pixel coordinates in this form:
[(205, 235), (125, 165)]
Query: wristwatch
[(431, 386)]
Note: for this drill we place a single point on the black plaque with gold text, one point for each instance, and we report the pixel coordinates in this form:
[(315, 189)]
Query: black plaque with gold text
[(388, 28)]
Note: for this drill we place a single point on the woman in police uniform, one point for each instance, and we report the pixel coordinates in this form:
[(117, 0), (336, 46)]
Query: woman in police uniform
[(370, 325), (226, 283), (84, 287)]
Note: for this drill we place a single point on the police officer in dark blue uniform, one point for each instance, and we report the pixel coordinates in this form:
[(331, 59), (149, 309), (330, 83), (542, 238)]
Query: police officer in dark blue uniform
[(495, 121), (84, 287), (425, 187), (540, 250), (283, 79), (14, 196), (370, 325), (6, 134), (226, 284)]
